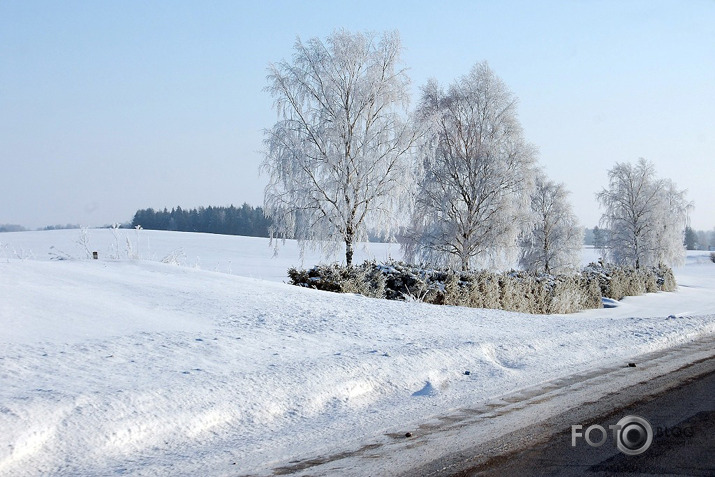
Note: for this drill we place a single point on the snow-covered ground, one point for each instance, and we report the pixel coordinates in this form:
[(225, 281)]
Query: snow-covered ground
[(244, 256), (147, 368)]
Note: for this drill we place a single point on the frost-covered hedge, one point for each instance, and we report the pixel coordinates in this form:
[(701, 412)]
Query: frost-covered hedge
[(513, 291), (618, 282)]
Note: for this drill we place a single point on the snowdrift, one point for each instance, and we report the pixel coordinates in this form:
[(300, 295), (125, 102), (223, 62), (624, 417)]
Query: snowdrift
[(146, 368)]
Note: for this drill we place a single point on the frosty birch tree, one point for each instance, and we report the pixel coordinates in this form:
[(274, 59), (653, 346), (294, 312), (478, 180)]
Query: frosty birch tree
[(477, 174), (646, 216), (338, 158), (554, 243)]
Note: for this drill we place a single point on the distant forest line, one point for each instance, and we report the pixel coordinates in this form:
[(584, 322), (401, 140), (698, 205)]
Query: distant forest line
[(244, 220), (250, 221)]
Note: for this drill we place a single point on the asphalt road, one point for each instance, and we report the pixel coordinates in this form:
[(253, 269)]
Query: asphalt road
[(683, 424), (528, 432)]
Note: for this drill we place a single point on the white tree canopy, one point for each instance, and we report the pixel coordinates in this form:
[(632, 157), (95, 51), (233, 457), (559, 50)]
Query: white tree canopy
[(476, 174), (554, 243), (338, 157), (646, 216)]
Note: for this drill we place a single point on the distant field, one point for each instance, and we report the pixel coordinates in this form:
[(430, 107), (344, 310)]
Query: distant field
[(237, 255)]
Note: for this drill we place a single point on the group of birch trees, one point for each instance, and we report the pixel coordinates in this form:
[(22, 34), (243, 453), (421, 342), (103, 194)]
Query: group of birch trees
[(454, 180)]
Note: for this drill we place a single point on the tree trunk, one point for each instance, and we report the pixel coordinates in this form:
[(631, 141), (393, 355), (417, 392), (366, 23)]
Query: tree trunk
[(349, 252), (465, 262), (349, 236), (547, 269)]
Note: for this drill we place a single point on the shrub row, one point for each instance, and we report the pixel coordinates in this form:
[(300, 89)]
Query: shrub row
[(618, 282), (513, 291)]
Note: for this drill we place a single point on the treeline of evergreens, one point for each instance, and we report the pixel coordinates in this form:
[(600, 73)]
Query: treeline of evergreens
[(11, 228), (699, 239), (244, 220), (692, 239)]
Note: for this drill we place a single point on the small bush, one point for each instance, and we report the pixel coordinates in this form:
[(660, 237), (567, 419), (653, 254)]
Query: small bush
[(591, 297), (618, 282), (513, 294), (665, 279), (364, 279)]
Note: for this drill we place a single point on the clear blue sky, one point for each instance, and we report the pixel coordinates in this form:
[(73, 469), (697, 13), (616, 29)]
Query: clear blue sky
[(108, 107)]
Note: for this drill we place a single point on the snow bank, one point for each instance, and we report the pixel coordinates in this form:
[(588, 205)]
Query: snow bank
[(139, 367)]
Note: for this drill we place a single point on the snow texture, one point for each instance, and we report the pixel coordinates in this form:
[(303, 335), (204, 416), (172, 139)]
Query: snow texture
[(147, 368)]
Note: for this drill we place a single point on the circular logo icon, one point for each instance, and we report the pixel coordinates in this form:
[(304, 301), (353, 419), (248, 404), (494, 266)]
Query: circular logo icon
[(634, 435)]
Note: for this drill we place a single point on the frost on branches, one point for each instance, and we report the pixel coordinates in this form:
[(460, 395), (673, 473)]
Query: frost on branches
[(477, 174), (554, 243), (338, 156), (646, 217)]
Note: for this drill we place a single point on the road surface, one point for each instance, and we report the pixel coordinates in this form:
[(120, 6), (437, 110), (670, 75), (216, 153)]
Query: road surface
[(683, 425)]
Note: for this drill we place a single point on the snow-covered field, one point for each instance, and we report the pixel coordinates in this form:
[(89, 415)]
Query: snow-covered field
[(215, 367), (244, 256)]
